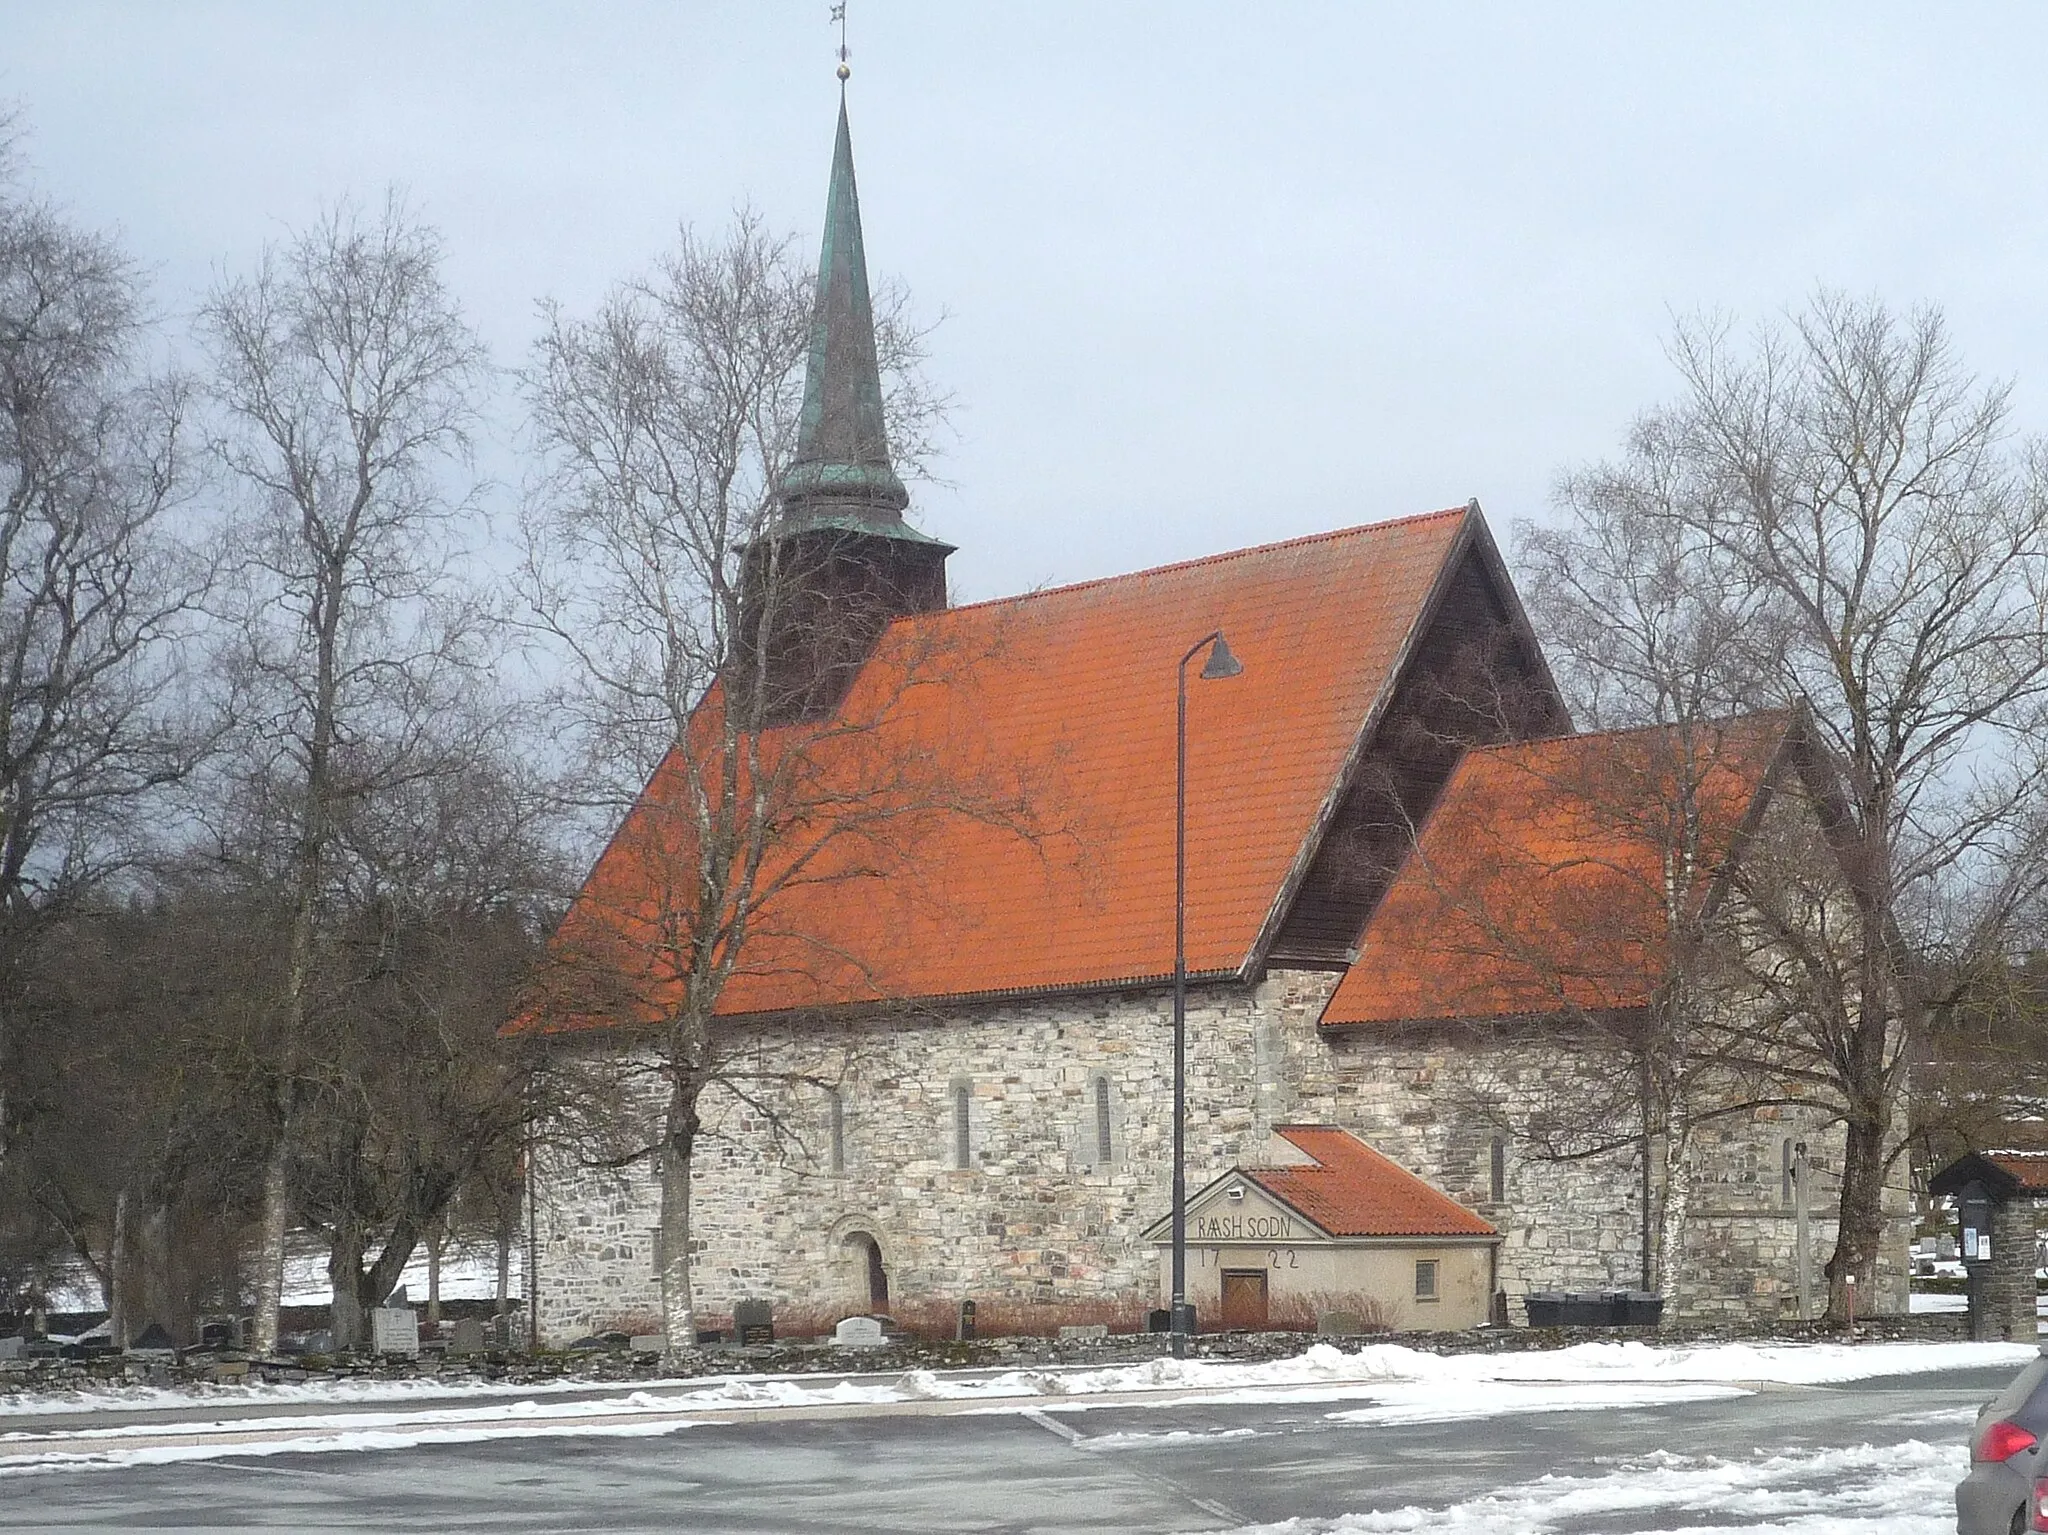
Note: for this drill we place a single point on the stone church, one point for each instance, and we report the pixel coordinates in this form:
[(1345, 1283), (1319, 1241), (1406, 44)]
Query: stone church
[(1411, 926)]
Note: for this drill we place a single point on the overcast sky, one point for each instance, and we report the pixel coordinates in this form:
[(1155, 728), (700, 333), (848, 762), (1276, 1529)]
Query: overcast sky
[(1214, 273)]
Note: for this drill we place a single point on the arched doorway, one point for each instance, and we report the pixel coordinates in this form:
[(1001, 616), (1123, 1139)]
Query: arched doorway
[(866, 1254)]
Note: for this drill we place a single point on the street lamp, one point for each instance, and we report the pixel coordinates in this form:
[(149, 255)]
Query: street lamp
[(1221, 663)]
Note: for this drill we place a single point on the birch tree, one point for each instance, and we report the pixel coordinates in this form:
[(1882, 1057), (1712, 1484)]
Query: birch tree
[(667, 419), (1850, 507), (345, 383)]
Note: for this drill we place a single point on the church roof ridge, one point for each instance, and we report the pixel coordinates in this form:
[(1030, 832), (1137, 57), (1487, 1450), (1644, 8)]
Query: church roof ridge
[(1205, 561)]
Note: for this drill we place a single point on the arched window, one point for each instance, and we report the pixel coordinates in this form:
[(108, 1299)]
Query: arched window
[(963, 1103), (835, 1130), (1497, 1172), (1103, 1147)]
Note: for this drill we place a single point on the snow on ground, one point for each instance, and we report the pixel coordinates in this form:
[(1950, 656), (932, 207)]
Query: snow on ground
[(468, 1273), (1443, 1384), (1900, 1489), (1396, 1384), (1921, 1304)]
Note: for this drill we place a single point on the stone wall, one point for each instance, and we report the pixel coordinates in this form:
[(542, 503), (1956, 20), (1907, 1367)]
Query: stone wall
[(1038, 1215)]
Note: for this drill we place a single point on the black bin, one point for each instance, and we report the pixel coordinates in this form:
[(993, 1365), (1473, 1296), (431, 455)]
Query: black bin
[(1588, 1308), (1546, 1308)]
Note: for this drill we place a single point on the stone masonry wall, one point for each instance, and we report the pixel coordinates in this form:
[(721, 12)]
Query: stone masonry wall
[(1038, 1215)]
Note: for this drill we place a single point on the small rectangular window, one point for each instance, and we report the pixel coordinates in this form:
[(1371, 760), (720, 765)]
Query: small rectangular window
[(963, 1151), (835, 1112), (1497, 1175), (1425, 1279), (1102, 1146), (1785, 1172)]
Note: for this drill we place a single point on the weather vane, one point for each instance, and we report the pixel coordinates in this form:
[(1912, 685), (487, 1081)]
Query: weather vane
[(839, 17)]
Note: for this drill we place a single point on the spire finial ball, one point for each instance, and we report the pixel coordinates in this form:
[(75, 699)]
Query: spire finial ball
[(844, 71)]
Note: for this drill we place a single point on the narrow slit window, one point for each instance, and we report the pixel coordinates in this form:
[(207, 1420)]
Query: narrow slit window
[(1102, 1138), (835, 1129), (1785, 1172), (1497, 1171), (1425, 1278), (963, 1100)]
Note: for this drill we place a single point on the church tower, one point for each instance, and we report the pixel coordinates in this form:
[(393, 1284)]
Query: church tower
[(838, 561)]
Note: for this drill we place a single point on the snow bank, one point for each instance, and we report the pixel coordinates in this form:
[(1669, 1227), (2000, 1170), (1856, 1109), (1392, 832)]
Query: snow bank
[(1899, 1489)]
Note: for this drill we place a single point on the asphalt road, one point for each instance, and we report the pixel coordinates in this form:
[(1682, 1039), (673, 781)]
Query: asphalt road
[(1163, 1469)]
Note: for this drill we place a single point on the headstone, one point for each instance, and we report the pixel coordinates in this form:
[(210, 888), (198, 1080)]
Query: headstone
[(12, 1348), (1084, 1332), (654, 1343), (963, 1331), (215, 1333), (1339, 1324), (1159, 1319), (858, 1332), (466, 1336), (395, 1330), (753, 1321), (154, 1340)]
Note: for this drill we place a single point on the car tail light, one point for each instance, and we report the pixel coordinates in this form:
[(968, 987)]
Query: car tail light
[(2002, 1441), (2037, 1506)]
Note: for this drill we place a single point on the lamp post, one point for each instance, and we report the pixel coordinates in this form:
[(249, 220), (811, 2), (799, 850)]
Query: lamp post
[(1221, 663)]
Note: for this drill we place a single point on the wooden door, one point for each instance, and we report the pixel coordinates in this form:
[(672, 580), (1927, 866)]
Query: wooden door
[(1244, 1299)]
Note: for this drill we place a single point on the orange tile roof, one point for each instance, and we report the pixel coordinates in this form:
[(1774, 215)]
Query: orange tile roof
[(1353, 1191), (1537, 885), (1067, 697), (2028, 1169)]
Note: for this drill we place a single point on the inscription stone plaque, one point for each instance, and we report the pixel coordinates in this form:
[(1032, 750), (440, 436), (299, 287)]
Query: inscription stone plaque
[(753, 1321), (466, 1337), (858, 1332), (395, 1330)]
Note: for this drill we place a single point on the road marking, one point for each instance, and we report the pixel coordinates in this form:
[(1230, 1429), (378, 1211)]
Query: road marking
[(1164, 1484), (1051, 1426)]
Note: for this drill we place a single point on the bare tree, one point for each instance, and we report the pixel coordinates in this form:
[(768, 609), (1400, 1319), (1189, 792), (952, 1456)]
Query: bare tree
[(94, 586), (1847, 527), (657, 562), (345, 379)]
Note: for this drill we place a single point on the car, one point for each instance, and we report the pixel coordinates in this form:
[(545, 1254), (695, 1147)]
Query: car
[(2006, 1492)]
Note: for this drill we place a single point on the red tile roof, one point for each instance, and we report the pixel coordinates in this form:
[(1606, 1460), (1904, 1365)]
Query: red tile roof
[(1353, 1191), (1068, 694), (2028, 1169), (1538, 883)]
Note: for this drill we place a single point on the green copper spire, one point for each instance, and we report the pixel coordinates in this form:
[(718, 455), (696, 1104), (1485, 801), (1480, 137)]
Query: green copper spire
[(841, 475)]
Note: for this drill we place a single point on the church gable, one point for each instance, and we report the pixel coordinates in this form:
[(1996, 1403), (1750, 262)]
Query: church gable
[(1540, 883), (1475, 676)]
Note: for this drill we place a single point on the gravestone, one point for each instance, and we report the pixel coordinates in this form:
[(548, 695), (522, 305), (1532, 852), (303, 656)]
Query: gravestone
[(858, 1332), (1159, 1319), (753, 1321), (1084, 1332), (963, 1332), (654, 1343), (1339, 1324), (395, 1330), (466, 1336), (219, 1332), (13, 1348), (154, 1340)]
